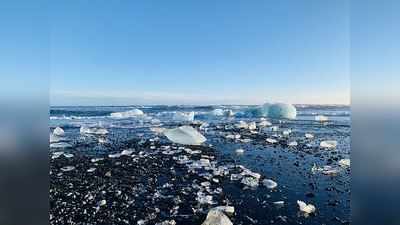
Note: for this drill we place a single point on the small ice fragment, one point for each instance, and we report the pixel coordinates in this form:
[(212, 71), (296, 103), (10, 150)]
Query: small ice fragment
[(270, 183), (216, 217), (264, 123), (321, 118), (93, 130), (306, 208), (60, 145), (57, 155), (309, 136), (67, 168), (58, 131), (68, 155), (286, 132), (328, 144), (116, 155), (94, 160), (54, 138), (126, 152), (217, 112), (182, 116), (239, 151), (292, 143), (273, 128), (250, 181), (127, 114), (90, 170), (344, 162), (279, 203), (102, 202), (252, 126), (185, 135), (271, 140)]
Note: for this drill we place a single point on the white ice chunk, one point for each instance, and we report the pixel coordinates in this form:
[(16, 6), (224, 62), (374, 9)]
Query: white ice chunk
[(226, 209), (321, 118), (60, 145), (252, 126), (264, 123), (344, 162), (270, 183), (185, 135), (217, 112), (182, 116), (328, 144), (309, 136), (280, 110), (93, 130), (250, 181), (306, 208), (293, 143), (239, 151), (54, 138), (127, 114), (271, 140), (58, 131), (217, 217), (242, 124)]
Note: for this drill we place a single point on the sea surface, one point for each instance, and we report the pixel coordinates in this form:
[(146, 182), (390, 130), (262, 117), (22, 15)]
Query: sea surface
[(298, 170)]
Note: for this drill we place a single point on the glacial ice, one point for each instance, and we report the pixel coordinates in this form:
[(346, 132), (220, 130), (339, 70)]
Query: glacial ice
[(270, 184), (93, 130), (217, 217), (279, 111), (344, 162), (185, 135), (183, 116), (328, 144), (217, 112), (58, 131), (306, 208), (127, 114)]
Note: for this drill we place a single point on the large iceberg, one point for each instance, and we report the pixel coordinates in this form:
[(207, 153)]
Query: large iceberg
[(127, 114), (182, 116), (185, 135), (279, 111)]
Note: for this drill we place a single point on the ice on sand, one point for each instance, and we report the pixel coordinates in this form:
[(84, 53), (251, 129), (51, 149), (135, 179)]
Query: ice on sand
[(127, 114), (305, 208), (182, 116), (93, 130), (217, 217), (328, 144), (58, 131), (185, 135)]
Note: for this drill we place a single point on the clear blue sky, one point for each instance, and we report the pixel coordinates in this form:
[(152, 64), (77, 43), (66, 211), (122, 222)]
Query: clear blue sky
[(199, 52)]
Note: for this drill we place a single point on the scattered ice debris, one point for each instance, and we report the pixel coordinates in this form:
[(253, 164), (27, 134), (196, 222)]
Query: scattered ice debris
[(239, 151), (271, 140), (328, 144), (217, 217), (292, 143), (279, 111), (184, 116), (344, 162), (321, 118), (58, 131), (93, 130), (270, 183), (185, 135), (67, 168), (306, 208), (309, 136), (127, 114), (252, 126)]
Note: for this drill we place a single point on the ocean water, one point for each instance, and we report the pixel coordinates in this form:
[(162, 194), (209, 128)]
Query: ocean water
[(290, 167)]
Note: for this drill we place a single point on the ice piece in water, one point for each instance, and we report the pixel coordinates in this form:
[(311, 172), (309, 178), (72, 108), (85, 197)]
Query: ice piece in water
[(252, 126), (321, 118), (226, 209), (328, 144), (344, 162), (157, 130), (280, 110), (182, 116), (217, 217), (217, 112), (58, 131), (242, 124), (252, 112), (239, 151), (60, 145), (185, 135), (93, 130), (126, 152), (270, 183), (306, 208), (67, 168), (127, 114), (292, 143), (228, 113), (309, 136), (264, 123), (250, 181), (271, 140), (54, 138)]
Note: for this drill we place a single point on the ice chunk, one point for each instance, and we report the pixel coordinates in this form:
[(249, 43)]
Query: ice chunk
[(217, 112), (309, 136), (242, 124), (226, 209), (157, 130), (252, 112), (127, 114), (306, 208), (264, 123), (321, 118), (252, 126), (58, 131), (270, 183), (185, 135), (93, 130), (239, 151), (54, 138), (271, 140), (216, 217), (250, 181), (67, 168), (328, 144), (292, 143), (60, 145), (280, 110), (229, 113), (182, 116), (344, 162)]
